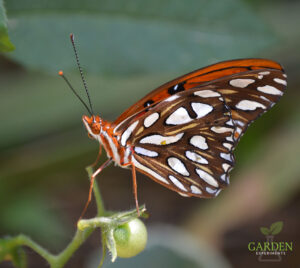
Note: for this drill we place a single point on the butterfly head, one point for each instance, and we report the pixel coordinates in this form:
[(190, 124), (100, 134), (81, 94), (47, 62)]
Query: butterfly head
[(93, 125)]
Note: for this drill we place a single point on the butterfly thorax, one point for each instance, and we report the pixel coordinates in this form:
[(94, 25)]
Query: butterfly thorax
[(103, 131)]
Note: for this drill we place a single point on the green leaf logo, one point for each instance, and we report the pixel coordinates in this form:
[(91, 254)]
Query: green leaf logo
[(264, 230), (274, 229)]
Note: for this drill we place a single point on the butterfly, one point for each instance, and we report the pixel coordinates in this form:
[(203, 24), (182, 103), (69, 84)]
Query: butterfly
[(183, 134)]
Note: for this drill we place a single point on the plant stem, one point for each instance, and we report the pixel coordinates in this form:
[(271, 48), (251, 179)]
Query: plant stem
[(85, 227), (60, 259), (23, 240)]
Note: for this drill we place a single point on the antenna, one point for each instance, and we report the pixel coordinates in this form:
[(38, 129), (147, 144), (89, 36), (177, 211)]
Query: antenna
[(81, 73), (61, 73)]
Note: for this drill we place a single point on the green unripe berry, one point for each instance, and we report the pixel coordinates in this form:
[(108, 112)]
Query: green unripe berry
[(130, 238)]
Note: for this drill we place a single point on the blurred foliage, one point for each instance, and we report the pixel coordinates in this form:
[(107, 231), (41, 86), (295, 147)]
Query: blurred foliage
[(134, 37), (5, 44), (128, 48)]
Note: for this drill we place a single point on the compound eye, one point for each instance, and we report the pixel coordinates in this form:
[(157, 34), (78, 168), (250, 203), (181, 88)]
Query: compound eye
[(90, 136)]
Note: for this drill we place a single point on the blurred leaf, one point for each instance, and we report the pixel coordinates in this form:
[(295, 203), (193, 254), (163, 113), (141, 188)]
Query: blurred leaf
[(28, 213), (5, 44), (264, 230), (133, 37), (40, 104), (276, 227)]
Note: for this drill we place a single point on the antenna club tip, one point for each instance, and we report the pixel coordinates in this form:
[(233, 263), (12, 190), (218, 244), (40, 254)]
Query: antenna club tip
[(72, 36), (61, 73)]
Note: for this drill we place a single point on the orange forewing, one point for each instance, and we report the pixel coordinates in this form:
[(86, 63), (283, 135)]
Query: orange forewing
[(200, 77)]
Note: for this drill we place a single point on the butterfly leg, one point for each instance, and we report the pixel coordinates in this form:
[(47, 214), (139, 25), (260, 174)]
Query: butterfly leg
[(134, 185), (98, 157), (135, 189), (104, 165)]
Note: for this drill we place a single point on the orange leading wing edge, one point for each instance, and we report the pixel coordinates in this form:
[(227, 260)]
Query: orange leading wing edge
[(197, 78)]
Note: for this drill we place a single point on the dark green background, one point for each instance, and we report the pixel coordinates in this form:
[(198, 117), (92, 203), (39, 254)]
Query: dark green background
[(127, 48)]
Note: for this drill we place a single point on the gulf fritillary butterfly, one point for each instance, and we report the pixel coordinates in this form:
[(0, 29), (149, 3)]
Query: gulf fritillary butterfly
[(182, 134)]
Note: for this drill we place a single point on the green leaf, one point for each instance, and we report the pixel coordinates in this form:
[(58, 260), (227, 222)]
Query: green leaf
[(264, 230), (276, 227), (5, 43), (29, 213), (135, 37)]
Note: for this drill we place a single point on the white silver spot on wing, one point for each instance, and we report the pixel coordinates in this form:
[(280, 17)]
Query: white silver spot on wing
[(230, 123), (146, 152), (201, 109), (177, 183), (249, 105), (226, 156), (221, 129), (280, 81), (196, 157), (173, 97), (238, 130), (148, 170), (264, 98), (178, 117), (207, 177), (178, 166), (184, 195), (210, 190), (161, 140), (269, 90), (207, 93), (195, 190), (151, 119), (241, 83), (223, 177), (264, 73), (225, 167), (229, 138), (218, 192), (284, 75), (199, 142), (227, 145), (240, 123), (126, 134)]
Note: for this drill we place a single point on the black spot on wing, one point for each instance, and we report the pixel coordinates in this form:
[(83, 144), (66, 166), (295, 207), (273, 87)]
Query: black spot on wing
[(177, 88), (148, 103)]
